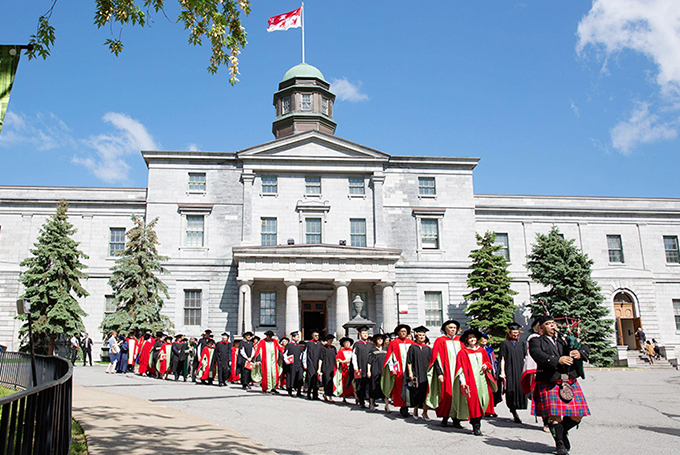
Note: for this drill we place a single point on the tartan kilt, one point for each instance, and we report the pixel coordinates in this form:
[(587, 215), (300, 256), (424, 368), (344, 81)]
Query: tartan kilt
[(547, 401)]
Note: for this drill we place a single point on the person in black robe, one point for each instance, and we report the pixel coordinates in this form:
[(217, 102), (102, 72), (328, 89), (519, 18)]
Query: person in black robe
[(417, 363), (203, 342), (510, 367), (223, 359), (327, 367), (156, 352), (376, 361), (124, 353), (283, 366), (312, 352), (245, 354), (178, 357), (360, 352), (294, 372)]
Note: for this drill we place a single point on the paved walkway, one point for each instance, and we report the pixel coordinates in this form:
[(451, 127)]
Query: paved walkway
[(116, 424)]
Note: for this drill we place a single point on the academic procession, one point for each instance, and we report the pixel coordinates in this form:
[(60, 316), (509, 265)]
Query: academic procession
[(457, 377)]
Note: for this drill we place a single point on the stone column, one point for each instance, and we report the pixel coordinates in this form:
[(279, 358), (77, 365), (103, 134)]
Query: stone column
[(341, 306), (246, 228), (378, 216), (245, 307), (292, 307), (389, 307)]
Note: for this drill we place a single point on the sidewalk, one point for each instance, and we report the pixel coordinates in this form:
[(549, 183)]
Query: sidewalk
[(116, 424)]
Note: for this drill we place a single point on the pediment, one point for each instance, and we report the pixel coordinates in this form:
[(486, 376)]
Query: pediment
[(312, 146)]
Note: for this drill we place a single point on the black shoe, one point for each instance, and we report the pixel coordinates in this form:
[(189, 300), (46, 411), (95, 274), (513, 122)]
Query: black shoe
[(476, 429), (404, 411), (561, 448), (299, 394), (455, 423), (515, 417), (276, 392), (290, 393), (565, 439), (445, 421)]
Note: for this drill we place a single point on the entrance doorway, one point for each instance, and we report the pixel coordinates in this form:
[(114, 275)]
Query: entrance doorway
[(313, 318), (626, 322)]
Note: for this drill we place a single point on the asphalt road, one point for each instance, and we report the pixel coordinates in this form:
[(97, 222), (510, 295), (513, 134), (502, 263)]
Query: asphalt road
[(633, 411)]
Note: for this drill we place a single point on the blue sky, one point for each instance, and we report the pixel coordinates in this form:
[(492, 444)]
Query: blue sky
[(558, 98)]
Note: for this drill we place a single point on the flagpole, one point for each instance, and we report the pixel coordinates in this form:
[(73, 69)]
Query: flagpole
[(303, 32)]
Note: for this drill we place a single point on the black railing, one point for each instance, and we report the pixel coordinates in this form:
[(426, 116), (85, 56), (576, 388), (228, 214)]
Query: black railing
[(37, 418)]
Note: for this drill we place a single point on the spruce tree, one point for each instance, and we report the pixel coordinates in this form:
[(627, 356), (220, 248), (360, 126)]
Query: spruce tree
[(52, 279), (137, 290), (560, 266), (492, 307)]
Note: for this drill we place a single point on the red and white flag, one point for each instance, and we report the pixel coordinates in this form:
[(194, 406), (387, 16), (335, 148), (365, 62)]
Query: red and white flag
[(285, 21)]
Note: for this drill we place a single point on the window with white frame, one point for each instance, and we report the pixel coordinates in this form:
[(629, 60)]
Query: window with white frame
[(357, 234), (268, 232), (426, 186), (192, 307), (312, 230), (676, 311), (615, 247), (670, 245), (324, 106), (195, 230), (502, 241), (110, 305), (267, 309), (313, 186), (433, 309), (197, 181), (356, 186), (306, 105), (285, 105), (364, 309), (429, 233), (116, 241), (270, 184)]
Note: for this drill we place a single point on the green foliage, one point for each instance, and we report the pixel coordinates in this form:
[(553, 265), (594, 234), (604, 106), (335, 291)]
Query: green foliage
[(53, 276), (491, 308), (137, 290), (557, 264), (217, 21)]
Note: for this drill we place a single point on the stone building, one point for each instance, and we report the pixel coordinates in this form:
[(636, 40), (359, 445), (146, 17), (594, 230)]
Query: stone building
[(284, 235)]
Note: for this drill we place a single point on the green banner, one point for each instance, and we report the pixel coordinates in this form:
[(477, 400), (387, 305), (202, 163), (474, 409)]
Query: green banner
[(9, 60)]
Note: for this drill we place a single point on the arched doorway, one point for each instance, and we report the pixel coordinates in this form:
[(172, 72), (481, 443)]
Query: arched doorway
[(626, 321)]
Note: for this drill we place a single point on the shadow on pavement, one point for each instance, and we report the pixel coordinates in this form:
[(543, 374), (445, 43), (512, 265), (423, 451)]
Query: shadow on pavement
[(670, 431), (518, 444)]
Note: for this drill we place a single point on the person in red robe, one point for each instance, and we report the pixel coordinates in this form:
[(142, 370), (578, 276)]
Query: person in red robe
[(206, 364), (473, 367), (269, 350), (145, 364), (133, 352), (392, 379), (343, 376), (234, 376), (164, 358), (442, 371)]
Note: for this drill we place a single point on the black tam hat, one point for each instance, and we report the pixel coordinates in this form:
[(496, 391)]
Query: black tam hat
[(514, 326), (421, 329), (402, 326), (249, 334), (179, 335), (269, 333), (208, 331), (464, 337), (450, 321), (343, 339)]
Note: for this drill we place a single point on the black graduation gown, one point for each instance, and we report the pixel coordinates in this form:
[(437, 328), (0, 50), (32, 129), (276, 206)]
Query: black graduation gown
[(247, 347), (418, 356), (377, 360), (223, 359), (513, 353), (313, 350), (328, 355), (294, 371), (156, 352)]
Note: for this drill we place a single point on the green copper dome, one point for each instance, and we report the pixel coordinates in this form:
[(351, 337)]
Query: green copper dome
[(303, 70)]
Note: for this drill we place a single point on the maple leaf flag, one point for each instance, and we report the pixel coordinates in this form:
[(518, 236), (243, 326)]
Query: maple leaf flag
[(285, 21)]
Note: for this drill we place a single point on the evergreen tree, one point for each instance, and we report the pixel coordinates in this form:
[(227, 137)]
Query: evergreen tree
[(51, 280), (492, 307), (561, 267), (137, 289)]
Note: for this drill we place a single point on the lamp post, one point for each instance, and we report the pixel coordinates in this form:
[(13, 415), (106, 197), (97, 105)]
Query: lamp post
[(26, 304), (397, 291)]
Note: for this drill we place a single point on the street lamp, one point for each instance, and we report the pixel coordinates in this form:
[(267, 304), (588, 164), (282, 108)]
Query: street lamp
[(24, 306), (397, 291)]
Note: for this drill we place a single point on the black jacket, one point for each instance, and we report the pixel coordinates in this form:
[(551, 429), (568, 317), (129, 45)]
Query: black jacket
[(547, 354)]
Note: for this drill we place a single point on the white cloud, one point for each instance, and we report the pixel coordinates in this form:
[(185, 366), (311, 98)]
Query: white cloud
[(641, 128), (44, 132), (110, 151), (193, 148), (346, 91), (574, 108)]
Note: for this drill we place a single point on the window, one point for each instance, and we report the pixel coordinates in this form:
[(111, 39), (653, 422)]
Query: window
[(197, 182), (285, 105), (357, 232), (192, 306), (502, 240), (433, 309), (267, 309), (670, 244), (110, 305), (116, 241), (312, 230), (306, 103), (429, 233), (676, 311), (270, 184), (268, 231), (313, 185), (426, 186), (356, 186), (615, 248), (195, 230), (324, 106)]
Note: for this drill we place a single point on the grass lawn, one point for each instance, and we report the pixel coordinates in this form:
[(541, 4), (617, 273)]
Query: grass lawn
[(78, 442), (5, 391)]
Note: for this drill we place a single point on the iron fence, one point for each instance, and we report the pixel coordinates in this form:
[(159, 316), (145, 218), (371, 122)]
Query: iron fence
[(37, 418)]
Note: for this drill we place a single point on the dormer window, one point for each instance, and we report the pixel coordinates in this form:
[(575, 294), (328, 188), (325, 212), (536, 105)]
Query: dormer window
[(306, 105), (285, 105)]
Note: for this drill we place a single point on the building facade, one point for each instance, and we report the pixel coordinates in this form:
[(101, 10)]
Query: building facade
[(285, 235)]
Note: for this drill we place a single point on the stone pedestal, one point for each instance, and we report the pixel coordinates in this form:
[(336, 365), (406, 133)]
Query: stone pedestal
[(621, 356)]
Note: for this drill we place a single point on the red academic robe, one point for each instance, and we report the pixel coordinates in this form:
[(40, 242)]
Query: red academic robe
[(346, 386), (269, 356), (463, 363), (234, 375), (133, 346), (528, 381), (145, 357), (444, 353), (206, 366), (164, 358), (392, 379)]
